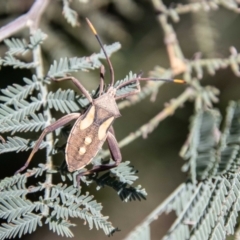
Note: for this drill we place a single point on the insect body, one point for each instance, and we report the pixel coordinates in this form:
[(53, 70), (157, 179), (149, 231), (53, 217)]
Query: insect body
[(91, 130), (94, 127)]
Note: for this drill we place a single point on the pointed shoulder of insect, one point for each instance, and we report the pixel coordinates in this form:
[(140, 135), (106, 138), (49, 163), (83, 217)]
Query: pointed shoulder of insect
[(107, 102)]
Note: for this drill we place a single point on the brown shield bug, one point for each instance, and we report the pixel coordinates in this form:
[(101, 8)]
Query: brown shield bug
[(94, 126)]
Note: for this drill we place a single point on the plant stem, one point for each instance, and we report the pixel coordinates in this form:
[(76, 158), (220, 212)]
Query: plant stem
[(39, 7), (30, 19), (153, 123)]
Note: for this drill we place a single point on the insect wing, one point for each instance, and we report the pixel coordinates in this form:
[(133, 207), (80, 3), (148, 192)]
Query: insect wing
[(86, 138)]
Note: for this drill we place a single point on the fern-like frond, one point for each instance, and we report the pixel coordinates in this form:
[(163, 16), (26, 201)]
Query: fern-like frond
[(77, 205), (10, 181), (36, 123), (18, 144), (71, 195), (36, 39), (20, 226), (16, 46), (125, 173), (70, 15), (217, 199), (209, 210), (74, 211), (69, 65), (204, 211), (128, 88), (63, 100), (13, 192), (229, 147), (15, 186), (17, 92), (10, 60), (17, 189), (38, 171), (16, 207), (125, 192), (200, 151), (209, 151), (177, 200), (20, 110), (20, 46), (61, 227)]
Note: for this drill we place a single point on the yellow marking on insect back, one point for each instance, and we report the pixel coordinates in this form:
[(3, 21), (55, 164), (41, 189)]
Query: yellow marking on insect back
[(87, 140), (102, 131), (82, 150), (88, 120)]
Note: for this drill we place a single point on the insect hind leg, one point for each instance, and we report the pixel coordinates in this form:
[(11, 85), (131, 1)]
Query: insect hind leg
[(115, 153), (59, 123)]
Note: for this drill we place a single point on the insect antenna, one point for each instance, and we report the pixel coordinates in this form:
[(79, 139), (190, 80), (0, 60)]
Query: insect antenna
[(104, 51), (150, 79), (101, 86)]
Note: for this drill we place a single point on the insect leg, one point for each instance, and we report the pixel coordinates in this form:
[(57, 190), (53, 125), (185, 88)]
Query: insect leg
[(59, 123), (113, 147), (78, 85), (115, 153), (138, 90)]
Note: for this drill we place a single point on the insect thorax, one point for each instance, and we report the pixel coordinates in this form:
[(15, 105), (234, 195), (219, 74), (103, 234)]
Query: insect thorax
[(108, 103)]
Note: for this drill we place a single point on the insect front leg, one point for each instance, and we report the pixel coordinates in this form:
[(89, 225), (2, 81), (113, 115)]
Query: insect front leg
[(115, 153), (136, 91), (78, 85), (59, 123)]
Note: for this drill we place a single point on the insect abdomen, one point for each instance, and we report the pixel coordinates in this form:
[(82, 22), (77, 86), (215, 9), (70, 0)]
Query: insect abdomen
[(87, 137)]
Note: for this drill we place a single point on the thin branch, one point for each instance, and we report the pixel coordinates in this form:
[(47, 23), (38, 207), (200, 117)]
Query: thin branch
[(201, 5), (153, 123), (204, 5), (37, 57), (175, 53), (30, 19)]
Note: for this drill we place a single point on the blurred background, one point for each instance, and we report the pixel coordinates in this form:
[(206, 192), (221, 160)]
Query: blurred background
[(134, 25)]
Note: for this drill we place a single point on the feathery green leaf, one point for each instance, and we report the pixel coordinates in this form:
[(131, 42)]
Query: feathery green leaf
[(18, 144), (20, 46), (68, 65), (20, 226), (63, 100), (18, 92), (10, 60), (70, 15), (36, 123)]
